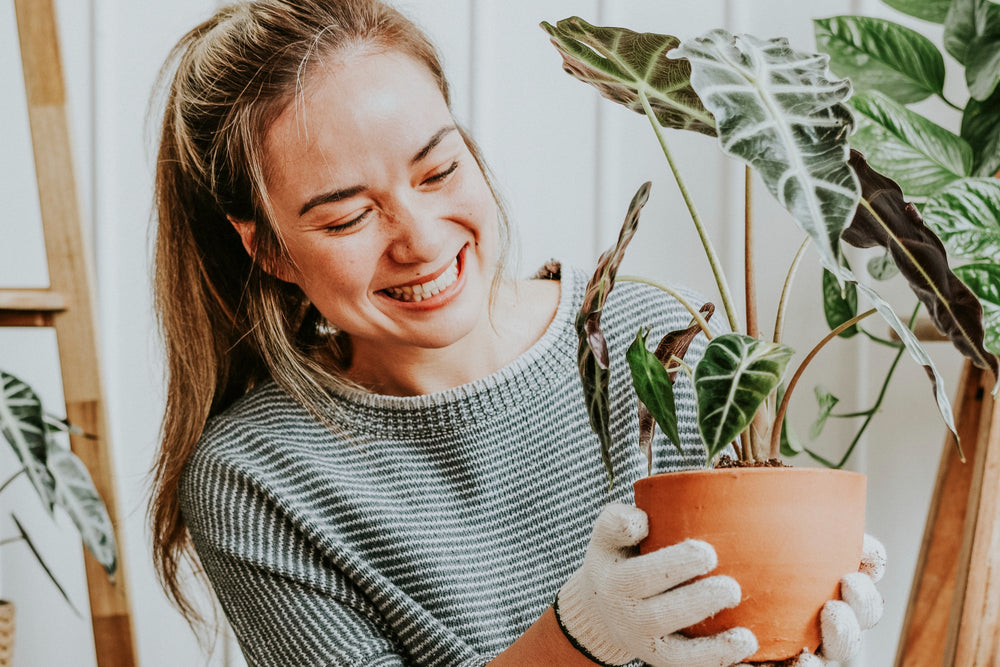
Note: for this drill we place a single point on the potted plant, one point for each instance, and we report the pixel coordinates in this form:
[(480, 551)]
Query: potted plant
[(784, 114), (59, 479)]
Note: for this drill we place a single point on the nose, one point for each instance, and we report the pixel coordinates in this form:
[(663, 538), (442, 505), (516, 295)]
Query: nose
[(416, 232)]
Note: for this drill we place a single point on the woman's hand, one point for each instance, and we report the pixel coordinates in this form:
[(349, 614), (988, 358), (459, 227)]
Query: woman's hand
[(620, 606)]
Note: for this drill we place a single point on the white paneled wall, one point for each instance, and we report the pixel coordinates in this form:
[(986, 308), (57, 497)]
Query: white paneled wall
[(566, 160)]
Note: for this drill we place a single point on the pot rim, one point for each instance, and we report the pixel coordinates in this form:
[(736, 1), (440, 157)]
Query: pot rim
[(737, 471)]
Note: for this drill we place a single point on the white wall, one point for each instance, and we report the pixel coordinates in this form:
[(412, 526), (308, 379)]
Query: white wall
[(567, 161)]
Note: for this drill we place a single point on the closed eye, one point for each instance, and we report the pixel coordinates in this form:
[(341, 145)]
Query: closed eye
[(440, 176), (350, 223)]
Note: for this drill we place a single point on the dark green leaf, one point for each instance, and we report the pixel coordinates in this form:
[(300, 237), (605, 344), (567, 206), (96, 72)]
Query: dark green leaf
[(620, 63), (984, 281), (791, 445), (41, 561), (967, 20), (23, 427), (826, 402), (736, 374), (881, 55), (882, 267), (781, 112), (980, 121), (967, 218), (655, 389), (934, 11), (839, 306), (592, 354), (921, 156), (888, 221), (76, 494), (673, 344)]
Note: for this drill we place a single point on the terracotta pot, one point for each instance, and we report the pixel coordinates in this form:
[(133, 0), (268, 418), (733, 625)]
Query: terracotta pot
[(787, 535), (6, 633)]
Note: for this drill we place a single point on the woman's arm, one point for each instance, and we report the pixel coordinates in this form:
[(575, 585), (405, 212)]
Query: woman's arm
[(542, 643)]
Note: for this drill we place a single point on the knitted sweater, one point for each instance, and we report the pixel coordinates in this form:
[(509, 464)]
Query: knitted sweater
[(424, 530)]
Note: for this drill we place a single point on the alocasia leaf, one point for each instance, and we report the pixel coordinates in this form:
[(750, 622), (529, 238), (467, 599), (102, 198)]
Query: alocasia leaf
[(984, 280), (886, 220), (826, 402), (934, 11), (620, 63), (735, 375), (673, 344), (919, 155), (76, 494), (881, 55), (655, 390), (881, 267), (780, 111), (23, 427), (980, 121), (839, 305), (966, 216), (592, 354)]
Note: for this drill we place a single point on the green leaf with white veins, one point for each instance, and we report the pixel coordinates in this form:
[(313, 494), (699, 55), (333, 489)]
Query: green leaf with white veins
[(984, 281), (934, 11), (734, 376), (972, 36), (620, 63), (919, 155), (76, 494), (778, 110), (881, 55), (23, 427), (966, 217)]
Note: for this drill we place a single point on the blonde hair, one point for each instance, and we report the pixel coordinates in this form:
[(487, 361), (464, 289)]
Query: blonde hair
[(226, 323)]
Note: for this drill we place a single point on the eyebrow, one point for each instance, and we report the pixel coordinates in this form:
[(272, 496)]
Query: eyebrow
[(347, 193)]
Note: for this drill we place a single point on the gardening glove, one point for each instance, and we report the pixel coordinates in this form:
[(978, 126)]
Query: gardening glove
[(860, 608), (620, 606)]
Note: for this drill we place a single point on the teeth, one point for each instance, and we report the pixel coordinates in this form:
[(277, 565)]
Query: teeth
[(417, 293)]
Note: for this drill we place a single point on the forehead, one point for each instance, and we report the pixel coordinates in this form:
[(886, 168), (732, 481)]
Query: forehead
[(355, 105)]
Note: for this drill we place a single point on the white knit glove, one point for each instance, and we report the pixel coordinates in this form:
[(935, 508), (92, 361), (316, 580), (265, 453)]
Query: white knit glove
[(860, 608), (620, 606)]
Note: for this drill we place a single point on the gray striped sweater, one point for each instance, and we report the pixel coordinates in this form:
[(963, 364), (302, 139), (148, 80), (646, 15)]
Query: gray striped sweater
[(430, 530)]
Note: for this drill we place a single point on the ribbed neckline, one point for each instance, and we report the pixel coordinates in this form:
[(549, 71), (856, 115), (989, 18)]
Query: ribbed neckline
[(541, 369)]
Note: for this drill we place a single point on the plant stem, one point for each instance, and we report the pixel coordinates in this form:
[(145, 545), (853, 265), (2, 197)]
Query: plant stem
[(780, 416), (750, 287), (881, 341), (698, 317), (786, 290), (11, 479), (950, 103), (706, 242), (11, 539), (878, 401)]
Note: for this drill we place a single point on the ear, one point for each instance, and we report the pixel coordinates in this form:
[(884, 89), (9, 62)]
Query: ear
[(247, 229)]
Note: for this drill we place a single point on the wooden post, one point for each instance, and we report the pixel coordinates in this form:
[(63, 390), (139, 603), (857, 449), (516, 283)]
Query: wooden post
[(953, 617), (72, 311)]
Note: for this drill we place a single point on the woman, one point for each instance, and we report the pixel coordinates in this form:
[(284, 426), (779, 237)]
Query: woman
[(375, 440)]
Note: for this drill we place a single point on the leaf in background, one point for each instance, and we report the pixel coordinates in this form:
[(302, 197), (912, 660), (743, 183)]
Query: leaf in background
[(921, 156), (655, 389), (980, 121), (881, 55), (984, 281), (839, 306), (966, 21), (592, 353), (673, 344), (620, 63), (982, 66), (967, 218), (735, 375), (826, 402), (41, 561), (779, 110), (23, 427), (76, 494), (934, 11), (882, 267), (791, 445), (893, 223)]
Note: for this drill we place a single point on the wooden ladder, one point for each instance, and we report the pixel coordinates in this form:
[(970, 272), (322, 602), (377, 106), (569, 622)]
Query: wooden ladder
[(953, 617), (67, 306)]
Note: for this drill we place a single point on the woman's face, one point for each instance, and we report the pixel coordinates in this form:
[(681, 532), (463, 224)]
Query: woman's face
[(388, 220)]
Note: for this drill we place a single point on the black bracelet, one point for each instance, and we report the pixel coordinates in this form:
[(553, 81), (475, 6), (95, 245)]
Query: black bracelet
[(572, 640)]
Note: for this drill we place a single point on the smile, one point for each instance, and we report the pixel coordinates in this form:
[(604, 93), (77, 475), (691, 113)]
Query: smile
[(421, 291)]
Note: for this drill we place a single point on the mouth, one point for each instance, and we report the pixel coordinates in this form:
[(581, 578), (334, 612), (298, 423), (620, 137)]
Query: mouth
[(428, 288)]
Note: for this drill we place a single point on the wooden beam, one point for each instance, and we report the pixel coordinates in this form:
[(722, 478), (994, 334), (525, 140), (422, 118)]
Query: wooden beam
[(70, 275)]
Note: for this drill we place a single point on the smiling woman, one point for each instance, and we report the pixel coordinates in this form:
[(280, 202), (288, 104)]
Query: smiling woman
[(375, 442)]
